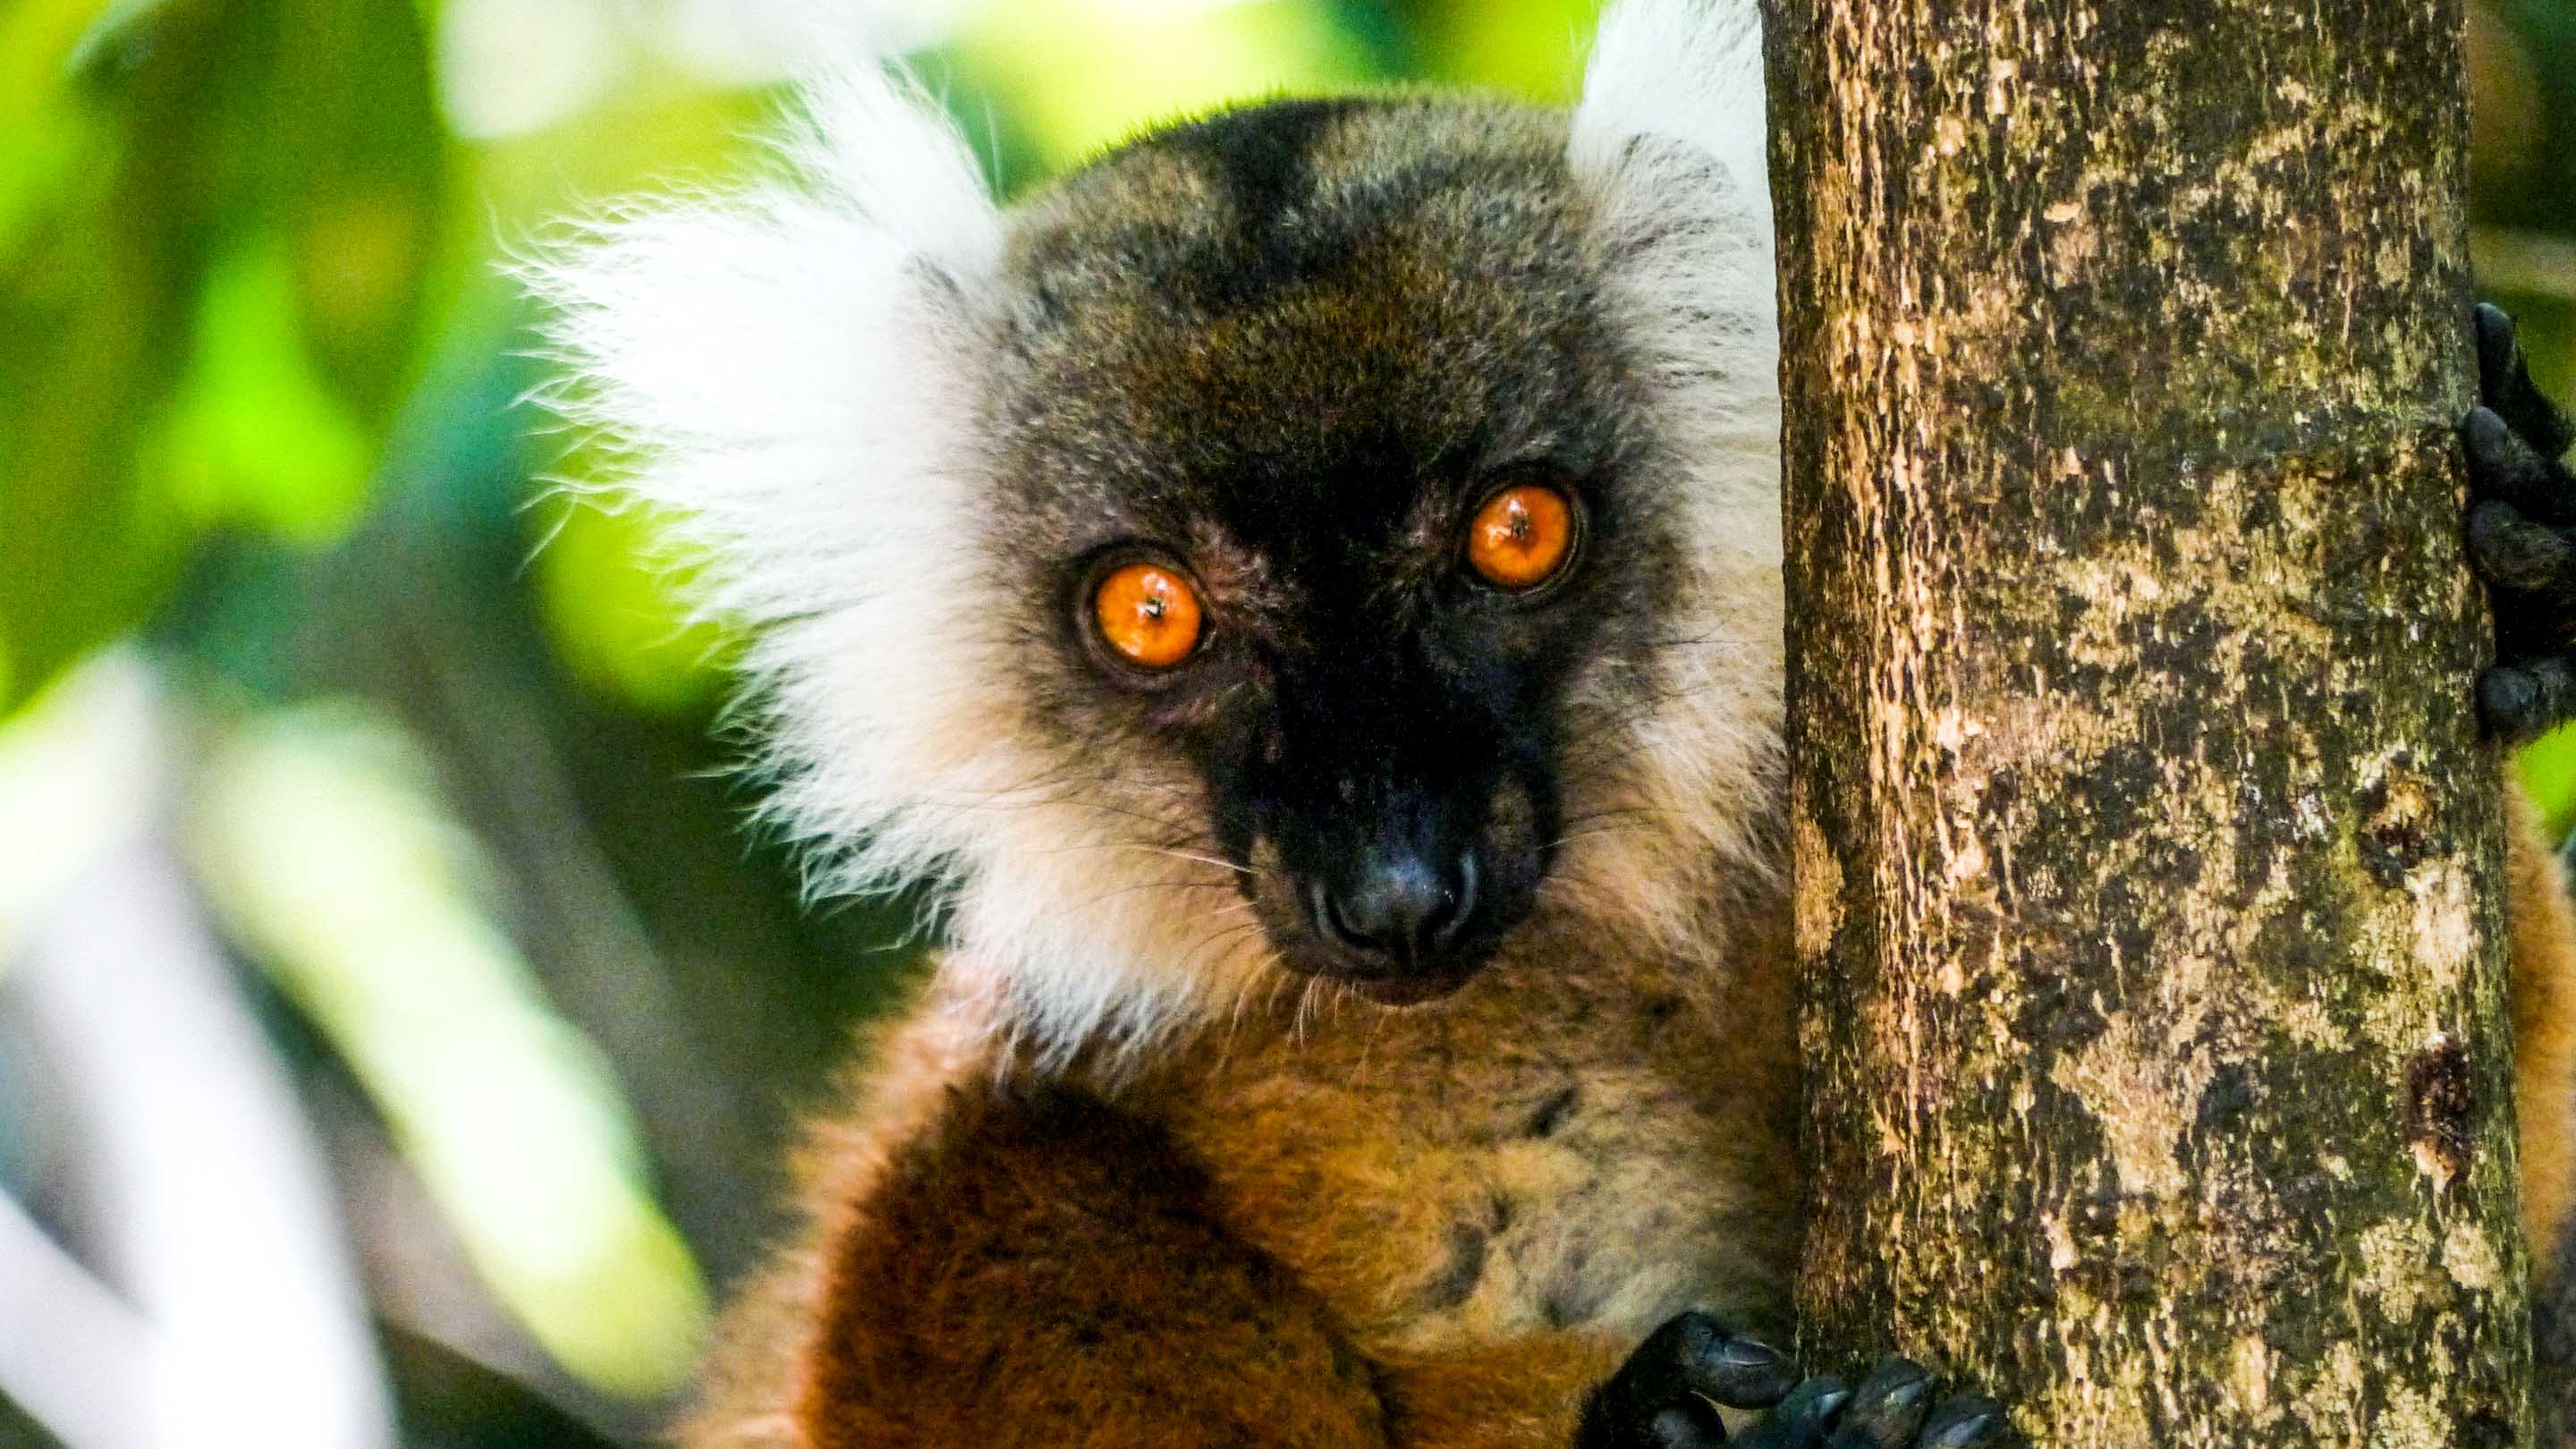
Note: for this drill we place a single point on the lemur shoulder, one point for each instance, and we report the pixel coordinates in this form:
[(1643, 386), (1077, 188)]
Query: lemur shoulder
[(1307, 589)]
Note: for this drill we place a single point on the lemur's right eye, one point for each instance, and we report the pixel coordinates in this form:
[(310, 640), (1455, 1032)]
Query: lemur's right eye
[(1147, 614), (1521, 537)]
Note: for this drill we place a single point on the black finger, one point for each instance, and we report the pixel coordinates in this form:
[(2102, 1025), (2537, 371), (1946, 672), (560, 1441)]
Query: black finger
[(1744, 1373), (1683, 1364), (1966, 1421), (2502, 465), (1690, 1423), (2504, 384), (1696, 1353), (2522, 699), (1887, 1408), (2512, 552), (1803, 1419), (1622, 1408)]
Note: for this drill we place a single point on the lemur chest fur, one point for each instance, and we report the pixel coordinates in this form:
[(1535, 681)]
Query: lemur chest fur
[(1563, 1145)]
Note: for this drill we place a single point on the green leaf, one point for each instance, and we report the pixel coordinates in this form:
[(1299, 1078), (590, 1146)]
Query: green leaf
[(93, 270), (213, 228), (2547, 767), (253, 436), (356, 161), (325, 848)]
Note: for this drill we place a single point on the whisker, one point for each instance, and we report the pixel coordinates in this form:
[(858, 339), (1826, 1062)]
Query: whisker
[(1244, 870)]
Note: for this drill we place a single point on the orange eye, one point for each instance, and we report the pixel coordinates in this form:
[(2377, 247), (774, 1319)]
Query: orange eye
[(1521, 537), (1148, 615)]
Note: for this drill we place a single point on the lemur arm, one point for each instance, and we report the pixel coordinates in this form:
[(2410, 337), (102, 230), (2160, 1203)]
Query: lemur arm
[(1040, 1269)]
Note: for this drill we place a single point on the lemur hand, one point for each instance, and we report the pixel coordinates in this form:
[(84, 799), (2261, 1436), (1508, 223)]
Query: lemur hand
[(2522, 537), (1667, 1394)]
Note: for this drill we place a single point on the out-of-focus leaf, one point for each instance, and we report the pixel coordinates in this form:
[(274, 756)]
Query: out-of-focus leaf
[(139, 144), (357, 166), (252, 436), (656, 129), (615, 607), (1084, 74), (506, 67), (331, 856), (2525, 172), (94, 267), (1528, 48), (2548, 769), (40, 137)]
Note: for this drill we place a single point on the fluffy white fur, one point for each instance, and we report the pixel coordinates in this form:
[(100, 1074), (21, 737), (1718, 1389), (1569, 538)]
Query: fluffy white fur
[(1670, 139), (790, 371)]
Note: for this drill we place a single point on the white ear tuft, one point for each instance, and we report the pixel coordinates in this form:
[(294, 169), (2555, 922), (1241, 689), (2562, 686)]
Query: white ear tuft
[(1678, 70), (706, 327), (1669, 141), (882, 147), (788, 371), (1670, 144)]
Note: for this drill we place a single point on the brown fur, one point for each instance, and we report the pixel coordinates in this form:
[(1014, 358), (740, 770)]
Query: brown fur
[(1350, 1227), (1062, 1234), (2544, 1029)]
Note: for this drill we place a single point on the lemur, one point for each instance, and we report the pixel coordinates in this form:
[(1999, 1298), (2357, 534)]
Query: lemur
[(1305, 589)]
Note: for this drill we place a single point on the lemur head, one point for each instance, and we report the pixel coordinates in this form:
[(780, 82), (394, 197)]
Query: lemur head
[(1325, 541)]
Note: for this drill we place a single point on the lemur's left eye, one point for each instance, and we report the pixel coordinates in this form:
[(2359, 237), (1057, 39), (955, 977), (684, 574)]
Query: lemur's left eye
[(1521, 537), (1147, 614)]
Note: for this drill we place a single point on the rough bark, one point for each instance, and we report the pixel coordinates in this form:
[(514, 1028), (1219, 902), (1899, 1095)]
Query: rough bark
[(2147, 856)]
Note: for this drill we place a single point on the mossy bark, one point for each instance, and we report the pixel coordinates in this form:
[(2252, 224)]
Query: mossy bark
[(2148, 858)]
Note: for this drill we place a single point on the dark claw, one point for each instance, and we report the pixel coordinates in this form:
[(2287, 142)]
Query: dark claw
[(2512, 552), (2519, 701), (2521, 537), (2502, 465), (2504, 384), (1666, 1396), (1803, 1419), (1749, 1375), (1887, 1409), (1966, 1421), (1695, 1352)]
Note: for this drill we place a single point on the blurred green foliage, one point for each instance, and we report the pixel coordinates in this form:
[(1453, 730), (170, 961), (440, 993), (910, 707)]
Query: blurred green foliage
[(262, 377), (214, 225)]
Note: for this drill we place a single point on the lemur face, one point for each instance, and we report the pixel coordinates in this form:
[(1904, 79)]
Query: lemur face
[(1326, 543), (1332, 478)]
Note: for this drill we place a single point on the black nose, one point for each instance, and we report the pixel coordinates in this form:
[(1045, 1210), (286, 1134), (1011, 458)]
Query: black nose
[(1401, 908)]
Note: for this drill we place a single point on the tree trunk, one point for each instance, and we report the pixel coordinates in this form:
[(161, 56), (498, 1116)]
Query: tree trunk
[(2148, 859)]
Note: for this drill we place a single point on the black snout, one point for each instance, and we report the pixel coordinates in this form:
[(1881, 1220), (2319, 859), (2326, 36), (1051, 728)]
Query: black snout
[(1399, 910)]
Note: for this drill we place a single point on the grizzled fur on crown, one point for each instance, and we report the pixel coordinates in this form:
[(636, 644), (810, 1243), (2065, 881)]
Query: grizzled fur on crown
[(893, 422)]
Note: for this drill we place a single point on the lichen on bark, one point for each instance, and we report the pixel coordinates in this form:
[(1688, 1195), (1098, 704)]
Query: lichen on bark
[(2147, 855)]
